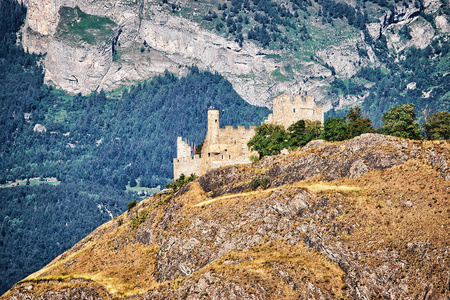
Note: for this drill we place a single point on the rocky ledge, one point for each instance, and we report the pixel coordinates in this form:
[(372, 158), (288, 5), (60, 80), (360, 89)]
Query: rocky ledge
[(361, 219)]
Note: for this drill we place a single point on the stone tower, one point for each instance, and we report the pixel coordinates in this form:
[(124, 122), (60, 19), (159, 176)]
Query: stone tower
[(224, 146), (228, 146), (183, 149), (213, 130), (185, 163)]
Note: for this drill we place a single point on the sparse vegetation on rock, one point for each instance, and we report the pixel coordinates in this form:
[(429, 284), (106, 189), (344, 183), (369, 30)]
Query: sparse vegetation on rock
[(345, 220), (180, 182), (131, 205)]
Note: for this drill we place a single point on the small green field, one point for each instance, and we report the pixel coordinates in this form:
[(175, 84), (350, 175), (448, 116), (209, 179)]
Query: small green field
[(142, 192), (31, 182)]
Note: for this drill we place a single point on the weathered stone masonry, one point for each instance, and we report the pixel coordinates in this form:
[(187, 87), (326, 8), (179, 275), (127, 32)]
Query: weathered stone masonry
[(228, 146), (224, 146), (289, 109), (185, 163)]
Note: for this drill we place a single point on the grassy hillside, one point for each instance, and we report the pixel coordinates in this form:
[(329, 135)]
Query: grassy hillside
[(314, 233), (76, 26)]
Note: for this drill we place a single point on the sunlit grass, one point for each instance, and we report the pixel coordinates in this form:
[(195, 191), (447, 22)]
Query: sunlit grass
[(325, 186)]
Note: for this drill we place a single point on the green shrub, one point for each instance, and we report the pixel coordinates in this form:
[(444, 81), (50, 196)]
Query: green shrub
[(180, 182), (265, 182), (255, 183), (131, 205), (254, 158), (139, 219)]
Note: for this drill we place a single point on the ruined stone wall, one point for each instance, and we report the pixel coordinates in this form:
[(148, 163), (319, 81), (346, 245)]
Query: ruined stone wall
[(184, 162), (288, 109), (183, 149), (228, 146), (186, 166), (225, 146)]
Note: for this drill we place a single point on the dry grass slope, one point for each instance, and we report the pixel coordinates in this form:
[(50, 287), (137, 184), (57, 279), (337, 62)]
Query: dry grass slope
[(382, 234)]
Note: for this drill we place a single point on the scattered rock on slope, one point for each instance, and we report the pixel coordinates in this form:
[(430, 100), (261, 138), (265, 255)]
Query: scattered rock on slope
[(359, 219)]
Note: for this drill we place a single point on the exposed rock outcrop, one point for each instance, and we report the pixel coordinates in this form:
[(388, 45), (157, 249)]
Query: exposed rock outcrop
[(370, 220), (151, 41), (400, 14), (344, 58), (331, 161), (442, 23), (39, 128), (148, 40)]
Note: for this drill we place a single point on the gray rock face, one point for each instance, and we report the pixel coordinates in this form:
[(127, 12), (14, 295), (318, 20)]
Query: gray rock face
[(148, 40), (439, 161), (39, 128), (86, 290), (352, 158), (220, 249), (442, 23), (88, 66), (185, 43), (170, 42), (404, 14), (344, 57), (400, 13)]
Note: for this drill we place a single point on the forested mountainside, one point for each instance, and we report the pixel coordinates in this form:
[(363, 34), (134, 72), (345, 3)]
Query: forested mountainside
[(366, 218), (70, 163), (374, 53)]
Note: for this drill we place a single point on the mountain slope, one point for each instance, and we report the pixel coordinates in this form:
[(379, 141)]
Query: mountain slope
[(357, 219), (344, 53)]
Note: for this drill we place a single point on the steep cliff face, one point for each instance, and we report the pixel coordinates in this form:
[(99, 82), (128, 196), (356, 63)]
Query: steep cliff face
[(360, 219), (185, 43), (148, 38), (146, 41), (112, 57)]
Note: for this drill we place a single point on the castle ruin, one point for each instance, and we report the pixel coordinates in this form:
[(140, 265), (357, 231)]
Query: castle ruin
[(228, 146), (185, 162), (288, 109), (225, 146)]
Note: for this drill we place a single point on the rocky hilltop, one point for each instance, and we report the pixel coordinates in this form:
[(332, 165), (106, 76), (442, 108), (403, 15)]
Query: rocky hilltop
[(135, 40), (360, 219)]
